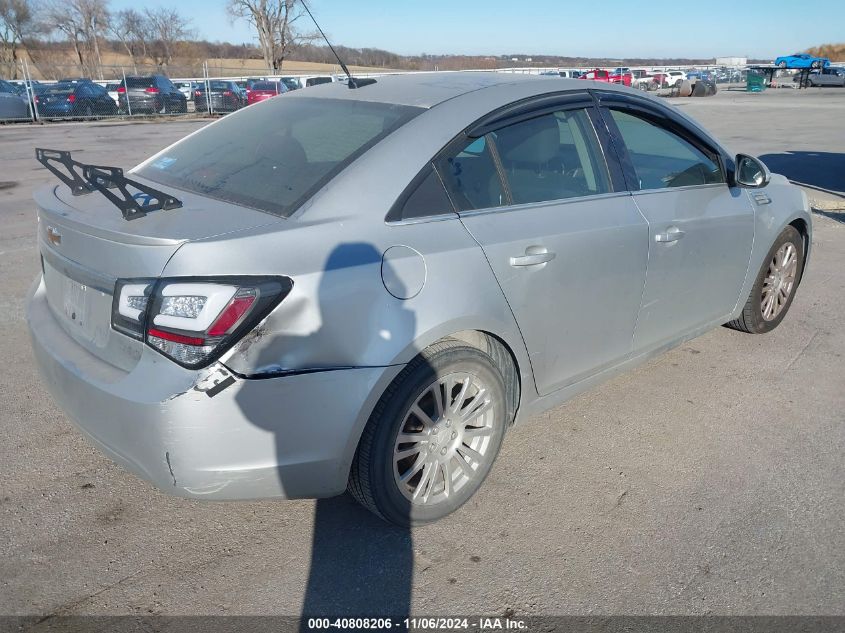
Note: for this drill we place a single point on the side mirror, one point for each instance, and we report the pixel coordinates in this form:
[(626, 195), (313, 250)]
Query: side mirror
[(751, 172)]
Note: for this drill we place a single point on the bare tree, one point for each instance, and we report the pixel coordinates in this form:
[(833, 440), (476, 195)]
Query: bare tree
[(17, 25), (132, 30), (166, 30), (82, 23), (274, 22)]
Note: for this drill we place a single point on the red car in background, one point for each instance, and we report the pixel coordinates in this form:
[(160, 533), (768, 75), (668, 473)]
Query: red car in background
[(262, 90), (607, 77), (624, 78)]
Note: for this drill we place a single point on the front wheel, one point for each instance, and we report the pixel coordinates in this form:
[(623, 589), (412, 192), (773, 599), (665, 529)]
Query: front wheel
[(774, 289), (433, 436)]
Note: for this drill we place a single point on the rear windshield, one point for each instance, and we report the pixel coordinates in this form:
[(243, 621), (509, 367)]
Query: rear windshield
[(264, 85), (276, 155), (139, 82), (218, 85), (61, 89)]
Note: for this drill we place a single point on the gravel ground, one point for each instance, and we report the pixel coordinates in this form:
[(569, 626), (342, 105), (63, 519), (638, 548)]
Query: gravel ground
[(709, 481)]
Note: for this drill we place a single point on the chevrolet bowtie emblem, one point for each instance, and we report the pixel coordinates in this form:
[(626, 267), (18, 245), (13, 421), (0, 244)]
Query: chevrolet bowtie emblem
[(53, 235)]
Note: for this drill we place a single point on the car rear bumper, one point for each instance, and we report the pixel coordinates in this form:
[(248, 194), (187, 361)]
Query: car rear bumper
[(285, 437), (142, 104), (217, 104)]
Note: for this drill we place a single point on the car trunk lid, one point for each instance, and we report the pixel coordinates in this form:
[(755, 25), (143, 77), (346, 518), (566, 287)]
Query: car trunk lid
[(86, 246)]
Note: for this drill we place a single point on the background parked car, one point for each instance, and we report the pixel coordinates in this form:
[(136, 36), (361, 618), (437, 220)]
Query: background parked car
[(830, 77), (262, 90), (150, 94), (222, 96), (316, 81), (291, 83), (112, 88), (186, 88), (802, 60), (675, 77), (625, 78), (28, 92), (596, 75), (74, 99), (12, 107)]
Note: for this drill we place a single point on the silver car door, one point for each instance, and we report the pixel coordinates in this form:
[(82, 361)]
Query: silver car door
[(701, 230), (563, 238)]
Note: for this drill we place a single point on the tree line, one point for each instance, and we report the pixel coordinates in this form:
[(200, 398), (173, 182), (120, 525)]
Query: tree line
[(52, 33)]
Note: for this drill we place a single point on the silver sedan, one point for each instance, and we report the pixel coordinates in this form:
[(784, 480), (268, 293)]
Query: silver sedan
[(363, 289)]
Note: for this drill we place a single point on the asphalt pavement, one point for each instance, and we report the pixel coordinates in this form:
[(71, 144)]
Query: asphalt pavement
[(708, 481)]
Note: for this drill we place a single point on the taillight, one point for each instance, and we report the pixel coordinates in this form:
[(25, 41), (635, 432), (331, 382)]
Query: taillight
[(71, 98), (194, 321), (152, 90), (227, 93), (197, 93), (121, 89)]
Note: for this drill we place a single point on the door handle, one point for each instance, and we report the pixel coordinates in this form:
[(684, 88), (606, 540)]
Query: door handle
[(672, 234), (534, 256)]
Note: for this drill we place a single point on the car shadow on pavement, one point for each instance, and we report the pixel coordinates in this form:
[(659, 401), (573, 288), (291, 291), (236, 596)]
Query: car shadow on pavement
[(822, 170), (361, 566)]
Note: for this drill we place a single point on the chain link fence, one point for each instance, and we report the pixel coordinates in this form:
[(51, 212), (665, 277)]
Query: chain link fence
[(121, 92), (62, 92)]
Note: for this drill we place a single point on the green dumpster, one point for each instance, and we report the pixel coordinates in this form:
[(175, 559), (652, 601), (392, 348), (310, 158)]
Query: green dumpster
[(755, 82)]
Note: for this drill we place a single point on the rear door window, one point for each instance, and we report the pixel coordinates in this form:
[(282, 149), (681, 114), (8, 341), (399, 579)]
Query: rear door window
[(426, 200), (470, 175), (275, 157), (552, 157)]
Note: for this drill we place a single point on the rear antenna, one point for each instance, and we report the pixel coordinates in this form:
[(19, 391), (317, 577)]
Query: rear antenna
[(353, 83)]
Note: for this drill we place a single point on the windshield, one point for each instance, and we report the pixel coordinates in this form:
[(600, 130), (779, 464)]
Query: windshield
[(276, 154)]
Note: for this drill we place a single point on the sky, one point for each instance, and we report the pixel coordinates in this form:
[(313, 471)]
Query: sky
[(612, 28)]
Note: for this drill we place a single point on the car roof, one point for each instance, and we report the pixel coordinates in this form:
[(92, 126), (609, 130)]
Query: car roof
[(426, 90)]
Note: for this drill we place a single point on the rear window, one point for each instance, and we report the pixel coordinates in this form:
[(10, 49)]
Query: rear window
[(276, 155), (265, 85), (219, 85), (61, 89), (139, 82)]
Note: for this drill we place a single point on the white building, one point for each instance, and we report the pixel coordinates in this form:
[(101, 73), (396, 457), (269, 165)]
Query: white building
[(731, 61)]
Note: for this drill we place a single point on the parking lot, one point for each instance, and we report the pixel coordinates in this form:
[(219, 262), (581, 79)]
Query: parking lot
[(708, 481)]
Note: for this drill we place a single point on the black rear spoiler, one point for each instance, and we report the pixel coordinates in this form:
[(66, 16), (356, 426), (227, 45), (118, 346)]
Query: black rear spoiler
[(109, 181)]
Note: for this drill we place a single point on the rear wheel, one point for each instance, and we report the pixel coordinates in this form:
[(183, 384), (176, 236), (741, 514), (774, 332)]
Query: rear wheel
[(774, 288), (433, 436)]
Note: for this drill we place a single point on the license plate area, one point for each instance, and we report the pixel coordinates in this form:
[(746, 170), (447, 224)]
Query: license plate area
[(84, 312)]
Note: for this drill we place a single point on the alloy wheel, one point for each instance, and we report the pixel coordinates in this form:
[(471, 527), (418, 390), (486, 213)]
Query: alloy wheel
[(779, 281), (444, 439)]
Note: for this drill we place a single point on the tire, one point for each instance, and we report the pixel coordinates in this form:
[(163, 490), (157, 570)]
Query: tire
[(89, 113), (752, 319), (376, 476)]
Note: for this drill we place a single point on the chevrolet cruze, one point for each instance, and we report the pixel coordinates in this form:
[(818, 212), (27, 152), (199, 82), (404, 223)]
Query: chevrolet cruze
[(363, 289)]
